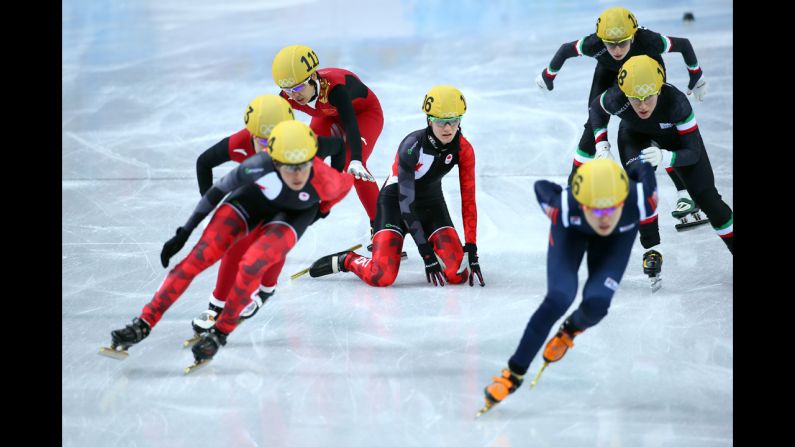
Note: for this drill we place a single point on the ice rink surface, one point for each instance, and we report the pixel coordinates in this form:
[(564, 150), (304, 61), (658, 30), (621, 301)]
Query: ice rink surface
[(149, 85)]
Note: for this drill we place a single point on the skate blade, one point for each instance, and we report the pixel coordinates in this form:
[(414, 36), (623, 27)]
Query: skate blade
[(656, 283), (684, 225), (306, 270), (299, 274), (113, 353), (538, 376), (489, 405), (191, 341), (197, 365)]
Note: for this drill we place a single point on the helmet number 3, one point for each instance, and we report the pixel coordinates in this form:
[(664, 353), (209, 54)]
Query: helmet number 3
[(313, 58), (428, 103)]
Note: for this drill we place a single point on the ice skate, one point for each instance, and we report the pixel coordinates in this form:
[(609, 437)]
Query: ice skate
[(307, 270), (652, 266), (557, 346), (688, 214), (500, 388), (203, 323), (122, 339), (206, 348)]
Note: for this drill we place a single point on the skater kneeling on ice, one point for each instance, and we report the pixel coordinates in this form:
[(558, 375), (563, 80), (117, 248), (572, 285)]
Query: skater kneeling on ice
[(598, 214), (276, 194), (412, 201)]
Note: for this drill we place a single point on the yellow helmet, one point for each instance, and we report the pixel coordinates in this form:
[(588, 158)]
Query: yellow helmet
[(616, 25), (641, 77), (293, 65), (264, 112), (600, 183), (444, 101), (292, 142)]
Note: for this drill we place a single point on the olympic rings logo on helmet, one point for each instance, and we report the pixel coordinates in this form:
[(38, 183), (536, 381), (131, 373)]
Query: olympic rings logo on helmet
[(644, 90), (616, 32), (287, 82), (296, 155), (602, 202)]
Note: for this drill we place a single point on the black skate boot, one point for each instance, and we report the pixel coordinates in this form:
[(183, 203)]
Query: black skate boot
[(121, 339), (652, 266), (328, 264), (258, 299), (206, 348)]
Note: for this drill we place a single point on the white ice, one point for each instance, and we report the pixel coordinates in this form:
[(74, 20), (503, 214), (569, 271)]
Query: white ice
[(149, 85)]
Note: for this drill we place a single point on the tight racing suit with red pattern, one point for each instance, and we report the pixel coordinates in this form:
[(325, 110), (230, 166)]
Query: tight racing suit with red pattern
[(344, 107), (260, 204), (412, 201), (238, 147)]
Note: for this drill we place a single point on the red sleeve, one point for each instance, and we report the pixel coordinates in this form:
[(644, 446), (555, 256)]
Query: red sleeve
[(331, 185), (240, 146), (466, 176)]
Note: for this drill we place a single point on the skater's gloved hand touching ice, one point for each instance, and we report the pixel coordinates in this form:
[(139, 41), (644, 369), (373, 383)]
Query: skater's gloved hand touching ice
[(173, 245), (433, 270), (470, 261)]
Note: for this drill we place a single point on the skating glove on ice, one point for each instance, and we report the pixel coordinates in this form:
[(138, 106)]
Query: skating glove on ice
[(173, 245), (432, 267), (471, 260)]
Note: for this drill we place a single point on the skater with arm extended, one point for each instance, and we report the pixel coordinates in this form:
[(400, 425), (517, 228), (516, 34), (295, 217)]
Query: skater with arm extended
[(598, 217), (618, 38), (412, 201), (262, 114), (653, 111), (277, 194), (340, 104)]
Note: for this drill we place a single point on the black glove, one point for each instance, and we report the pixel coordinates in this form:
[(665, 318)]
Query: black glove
[(474, 266), (694, 77), (173, 245), (547, 80), (432, 267)]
